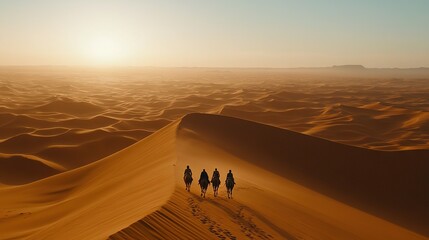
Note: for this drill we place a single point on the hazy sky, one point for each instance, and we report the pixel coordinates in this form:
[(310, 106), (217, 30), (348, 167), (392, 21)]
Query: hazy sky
[(218, 33)]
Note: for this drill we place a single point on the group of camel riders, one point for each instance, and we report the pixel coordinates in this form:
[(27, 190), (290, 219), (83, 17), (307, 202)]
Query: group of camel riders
[(204, 175), (204, 181)]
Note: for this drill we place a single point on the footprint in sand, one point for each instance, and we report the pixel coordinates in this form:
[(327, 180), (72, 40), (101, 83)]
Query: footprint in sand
[(213, 226), (248, 227)]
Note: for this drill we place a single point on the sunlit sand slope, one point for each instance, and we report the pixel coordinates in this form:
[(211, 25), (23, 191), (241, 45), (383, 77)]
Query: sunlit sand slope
[(96, 200), (268, 205)]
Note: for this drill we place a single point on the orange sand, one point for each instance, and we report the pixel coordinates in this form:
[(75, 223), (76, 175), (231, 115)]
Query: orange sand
[(78, 159)]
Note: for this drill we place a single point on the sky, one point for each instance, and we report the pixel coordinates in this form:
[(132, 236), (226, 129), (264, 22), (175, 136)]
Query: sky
[(221, 33)]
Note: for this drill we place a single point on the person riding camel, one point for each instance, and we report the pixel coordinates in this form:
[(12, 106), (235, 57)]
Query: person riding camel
[(216, 174), (188, 171), (204, 175), (230, 176)]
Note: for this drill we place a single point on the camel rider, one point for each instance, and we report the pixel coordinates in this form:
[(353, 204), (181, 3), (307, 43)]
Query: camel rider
[(215, 174), (204, 175), (188, 171), (229, 175)]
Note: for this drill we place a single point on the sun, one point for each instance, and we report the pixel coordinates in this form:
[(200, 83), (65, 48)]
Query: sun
[(106, 50)]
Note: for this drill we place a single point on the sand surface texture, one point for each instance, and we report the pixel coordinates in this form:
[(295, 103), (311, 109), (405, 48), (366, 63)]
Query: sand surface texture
[(97, 154)]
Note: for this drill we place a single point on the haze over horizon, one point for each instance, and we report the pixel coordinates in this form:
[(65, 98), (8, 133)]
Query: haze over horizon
[(277, 34)]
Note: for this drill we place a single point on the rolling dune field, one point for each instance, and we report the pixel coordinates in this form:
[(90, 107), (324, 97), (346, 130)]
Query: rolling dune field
[(89, 153)]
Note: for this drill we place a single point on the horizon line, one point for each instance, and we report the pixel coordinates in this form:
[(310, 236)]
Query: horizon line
[(338, 67)]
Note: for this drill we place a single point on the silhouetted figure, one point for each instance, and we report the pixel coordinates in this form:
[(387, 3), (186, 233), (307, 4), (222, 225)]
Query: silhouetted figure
[(215, 181), (188, 171), (203, 175), (187, 177), (215, 174), (231, 176), (204, 182), (229, 182)]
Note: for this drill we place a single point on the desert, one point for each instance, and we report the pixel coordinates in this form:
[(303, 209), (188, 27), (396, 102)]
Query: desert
[(195, 120), (326, 153)]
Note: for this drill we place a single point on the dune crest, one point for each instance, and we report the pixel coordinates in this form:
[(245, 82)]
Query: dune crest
[(266, 205)]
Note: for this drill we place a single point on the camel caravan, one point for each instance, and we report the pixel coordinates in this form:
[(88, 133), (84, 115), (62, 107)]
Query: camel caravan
[(204, 182)]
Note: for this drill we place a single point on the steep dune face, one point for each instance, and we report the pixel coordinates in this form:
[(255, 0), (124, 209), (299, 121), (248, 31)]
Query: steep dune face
[(266, 205), (96, 200), (390, 184)]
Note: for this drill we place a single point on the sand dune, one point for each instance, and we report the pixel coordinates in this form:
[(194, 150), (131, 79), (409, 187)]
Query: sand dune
[(69, 106), (112, 193)]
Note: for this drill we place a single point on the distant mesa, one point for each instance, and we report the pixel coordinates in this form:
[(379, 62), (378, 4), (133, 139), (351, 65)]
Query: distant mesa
[(349, 67)]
